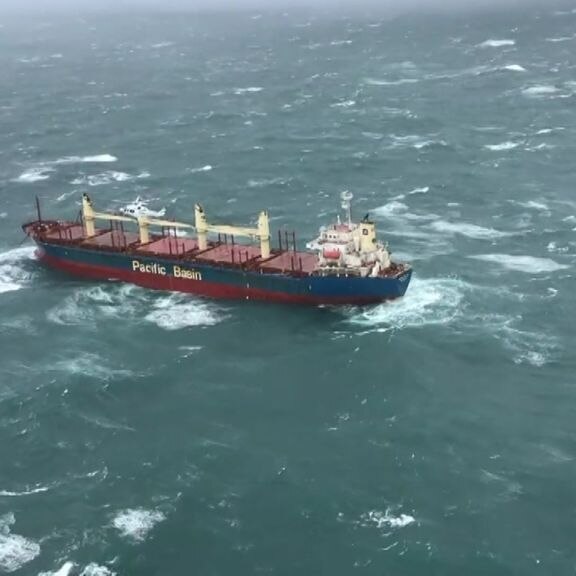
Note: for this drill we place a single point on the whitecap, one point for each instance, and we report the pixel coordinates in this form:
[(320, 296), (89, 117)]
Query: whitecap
[(541, 90), (38, 490), (108, 178), (469, 230), (387, 520), (249, 90), (515, 68), (560, 39), (86, 159), (206, 168), (345, 104), (497, 43), (64, 570), (36, 174), (15, 550), (391, 208), (432, 301), (399, 82), (86, 306), (177, 311), (527, 264), (422, 190), (94, 569), (3, 214), (136, 523), (502, 146), (340, 42), (534, 205), (12, 275)]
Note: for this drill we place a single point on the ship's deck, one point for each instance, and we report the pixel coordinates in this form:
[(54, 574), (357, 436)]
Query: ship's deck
[(181, 248), (220, 253)]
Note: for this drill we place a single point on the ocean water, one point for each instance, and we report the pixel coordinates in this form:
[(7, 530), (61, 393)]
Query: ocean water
[(160, 434)]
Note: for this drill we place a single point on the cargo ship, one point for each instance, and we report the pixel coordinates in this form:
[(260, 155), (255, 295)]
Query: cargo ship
[(345, 264)]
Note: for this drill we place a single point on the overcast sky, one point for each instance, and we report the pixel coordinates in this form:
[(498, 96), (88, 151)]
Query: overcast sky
[(395, 5)]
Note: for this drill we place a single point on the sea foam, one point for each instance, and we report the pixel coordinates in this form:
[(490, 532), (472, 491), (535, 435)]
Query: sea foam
[(15, 550), (176, 311), (433, 301), (135, 523), (469, 230), (12, 275), (387, 520)]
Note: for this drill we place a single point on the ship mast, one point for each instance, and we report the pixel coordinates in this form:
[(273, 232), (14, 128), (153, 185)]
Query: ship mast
[(346, 198)]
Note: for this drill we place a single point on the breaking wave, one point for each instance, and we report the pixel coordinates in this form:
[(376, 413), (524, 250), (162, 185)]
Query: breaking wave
[(497, 43), (503, 146), (36, 174), (515, 68), (91, 569), (528, 264), (469, 230), (249, 90), (206, 168), (107, 178), (387, 519), (541, 90), (12, 275), (86, 159), (15, 550), (427, 302), (135, 523), (177, 311)]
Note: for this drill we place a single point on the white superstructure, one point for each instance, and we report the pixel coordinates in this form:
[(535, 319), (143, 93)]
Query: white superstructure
[(349, 247)]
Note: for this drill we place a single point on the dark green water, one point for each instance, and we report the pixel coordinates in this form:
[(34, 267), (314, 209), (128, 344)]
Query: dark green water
[(157, 434)]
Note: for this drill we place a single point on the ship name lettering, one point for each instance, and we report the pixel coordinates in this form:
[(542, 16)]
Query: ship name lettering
[(186, 273), (155, 268)]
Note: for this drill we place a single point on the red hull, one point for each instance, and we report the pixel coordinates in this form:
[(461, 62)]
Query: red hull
[(170, 283)]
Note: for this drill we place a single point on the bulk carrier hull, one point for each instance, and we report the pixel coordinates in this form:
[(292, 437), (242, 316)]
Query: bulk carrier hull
[(205, 279), (348, 265)]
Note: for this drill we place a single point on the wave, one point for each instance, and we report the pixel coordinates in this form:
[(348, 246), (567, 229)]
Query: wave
[(64, 570), (497, 43), (177, 311), (12, 275), (469, 230), (249, 90), (86, 305), (38, 490), (534, 205), (515, 68), (107, 178), (345, 104), (36, 174), (86, 159), (136, 523), (399, 82), (91, 365), (540, 90), (386, 519), (91, 569), (561, 39), (15, 550), (206, 168), (527, 264), (502, 146), (432, 301), (422, 190)]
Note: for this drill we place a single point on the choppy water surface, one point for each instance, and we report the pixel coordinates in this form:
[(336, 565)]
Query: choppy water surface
[(156, 433)]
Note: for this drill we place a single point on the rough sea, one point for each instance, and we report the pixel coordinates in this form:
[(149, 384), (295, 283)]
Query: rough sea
[(149, 433)]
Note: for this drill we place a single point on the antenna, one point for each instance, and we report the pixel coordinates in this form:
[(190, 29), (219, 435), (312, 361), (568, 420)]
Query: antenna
[(346, 198)]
